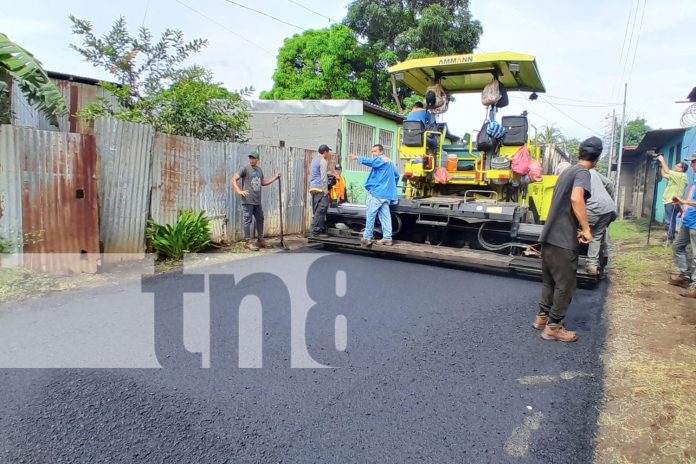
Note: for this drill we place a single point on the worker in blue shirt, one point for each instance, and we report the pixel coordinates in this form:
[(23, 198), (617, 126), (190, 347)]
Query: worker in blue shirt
[(419, 113), (685, 237), (381, 192)]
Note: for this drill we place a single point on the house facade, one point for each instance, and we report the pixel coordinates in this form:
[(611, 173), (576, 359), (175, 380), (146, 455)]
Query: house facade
[(642, 186), (347, 126)]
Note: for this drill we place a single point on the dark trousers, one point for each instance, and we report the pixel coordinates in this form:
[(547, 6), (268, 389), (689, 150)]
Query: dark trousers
[(250, 212), (559, 267), (671, 220), (320, 205)]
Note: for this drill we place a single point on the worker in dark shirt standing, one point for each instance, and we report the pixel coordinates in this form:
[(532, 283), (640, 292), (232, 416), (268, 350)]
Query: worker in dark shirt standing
[(565, 229)]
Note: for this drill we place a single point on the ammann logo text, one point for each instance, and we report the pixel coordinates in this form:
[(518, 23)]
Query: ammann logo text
[(457, 60)]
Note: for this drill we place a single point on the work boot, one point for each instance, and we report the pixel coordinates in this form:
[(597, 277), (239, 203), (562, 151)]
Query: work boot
[(385, 242), (689, 293), (680, 281), (366, 242), (249, 245), (262, 243), (555, 332), (540, 321)]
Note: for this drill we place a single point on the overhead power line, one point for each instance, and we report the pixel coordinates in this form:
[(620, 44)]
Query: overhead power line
[(226, 28), (569, 116), (264, 14), (312, 11), (589, 102)]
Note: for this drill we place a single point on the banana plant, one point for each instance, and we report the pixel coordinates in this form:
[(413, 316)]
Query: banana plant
[(32, 80)]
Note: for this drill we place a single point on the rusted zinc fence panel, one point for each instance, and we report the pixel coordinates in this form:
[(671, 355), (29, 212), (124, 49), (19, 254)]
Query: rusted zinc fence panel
[(189, 174), (59, 201), (125, 160), (10, 196), (213, 187)]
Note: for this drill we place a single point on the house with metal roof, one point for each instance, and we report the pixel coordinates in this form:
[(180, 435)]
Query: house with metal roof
[(642, 186)]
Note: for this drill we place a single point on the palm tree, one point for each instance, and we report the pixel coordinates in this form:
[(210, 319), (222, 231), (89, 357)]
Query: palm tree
[(31, 78), (550, 135)]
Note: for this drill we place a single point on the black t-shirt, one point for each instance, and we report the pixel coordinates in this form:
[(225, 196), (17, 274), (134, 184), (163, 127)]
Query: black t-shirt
[(561, 227)]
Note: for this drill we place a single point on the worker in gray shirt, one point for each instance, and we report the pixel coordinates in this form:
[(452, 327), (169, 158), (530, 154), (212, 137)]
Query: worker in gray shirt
[(252, 179), (601, 211)]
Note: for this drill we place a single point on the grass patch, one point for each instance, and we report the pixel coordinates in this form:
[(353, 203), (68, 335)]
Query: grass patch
[(628, 230), (650, 359), (637, 264), (19, 284)]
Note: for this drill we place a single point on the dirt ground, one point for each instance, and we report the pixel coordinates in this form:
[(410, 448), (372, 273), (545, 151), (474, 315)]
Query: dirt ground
[(19, 284), (649, 415)]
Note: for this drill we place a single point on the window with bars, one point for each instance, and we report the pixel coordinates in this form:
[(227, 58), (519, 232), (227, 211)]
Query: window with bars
[(386, 138), (360, 140)]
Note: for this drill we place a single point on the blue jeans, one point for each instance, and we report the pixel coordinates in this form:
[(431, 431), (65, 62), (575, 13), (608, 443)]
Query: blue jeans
[(671, 220), (685, 263), (376, 207)]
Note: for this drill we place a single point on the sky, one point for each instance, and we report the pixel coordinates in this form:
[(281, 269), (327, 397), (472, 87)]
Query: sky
[(585, 51)]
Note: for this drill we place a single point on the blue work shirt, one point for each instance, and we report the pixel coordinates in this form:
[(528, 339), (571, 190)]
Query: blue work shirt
[(381, 183), (423, 116), (689, 219)]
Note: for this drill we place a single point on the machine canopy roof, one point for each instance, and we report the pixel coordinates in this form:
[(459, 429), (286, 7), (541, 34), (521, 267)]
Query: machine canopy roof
[(470, 73)]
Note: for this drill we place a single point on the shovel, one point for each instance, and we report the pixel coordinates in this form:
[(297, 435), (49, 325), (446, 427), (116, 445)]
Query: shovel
[(280, 205)]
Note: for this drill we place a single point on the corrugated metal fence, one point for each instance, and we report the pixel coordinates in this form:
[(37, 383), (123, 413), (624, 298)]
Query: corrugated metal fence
[(138, 174)]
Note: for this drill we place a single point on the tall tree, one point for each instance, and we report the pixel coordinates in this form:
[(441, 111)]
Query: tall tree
[(324, 63), (154, 87), (32, 80), (420, 27)]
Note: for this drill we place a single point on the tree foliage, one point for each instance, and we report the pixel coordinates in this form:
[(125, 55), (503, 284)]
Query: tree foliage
[(634, 131), (324, 63), (423, 27), (153, 86), (31, 79)]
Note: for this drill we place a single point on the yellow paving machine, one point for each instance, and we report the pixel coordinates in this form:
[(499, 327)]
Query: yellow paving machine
[(464, 203)]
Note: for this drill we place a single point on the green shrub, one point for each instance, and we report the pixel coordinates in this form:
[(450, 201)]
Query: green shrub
[(190, 234), (5, 245)]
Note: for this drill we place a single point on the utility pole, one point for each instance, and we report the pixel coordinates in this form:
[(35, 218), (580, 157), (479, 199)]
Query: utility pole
[(612, 148), (621, 146)]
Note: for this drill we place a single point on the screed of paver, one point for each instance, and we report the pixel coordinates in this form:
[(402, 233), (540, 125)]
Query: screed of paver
[(517, 445)]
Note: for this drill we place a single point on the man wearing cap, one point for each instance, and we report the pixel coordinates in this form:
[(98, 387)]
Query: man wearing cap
[(686, 236), (566, 227), (319, 190), (676, 184), (337, 193), (252, 180)]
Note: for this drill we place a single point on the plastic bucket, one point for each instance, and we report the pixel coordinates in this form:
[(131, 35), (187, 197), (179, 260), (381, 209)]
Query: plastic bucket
[(451, 162)]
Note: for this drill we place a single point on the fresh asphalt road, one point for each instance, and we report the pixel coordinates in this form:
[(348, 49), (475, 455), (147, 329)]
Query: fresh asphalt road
[(440, 366)]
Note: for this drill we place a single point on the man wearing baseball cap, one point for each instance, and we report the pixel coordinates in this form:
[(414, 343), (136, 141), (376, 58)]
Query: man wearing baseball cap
[(252, 179), (686, 236), (565, 229), (319, 190)]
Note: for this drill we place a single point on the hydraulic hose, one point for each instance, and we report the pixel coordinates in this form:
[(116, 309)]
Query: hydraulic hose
[(503, 246)]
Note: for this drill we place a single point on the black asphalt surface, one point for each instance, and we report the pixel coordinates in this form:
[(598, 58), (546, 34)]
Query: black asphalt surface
[(441, 366)]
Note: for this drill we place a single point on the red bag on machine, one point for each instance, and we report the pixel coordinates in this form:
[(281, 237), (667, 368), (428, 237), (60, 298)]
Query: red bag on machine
[(535, 171), (521, 161)]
